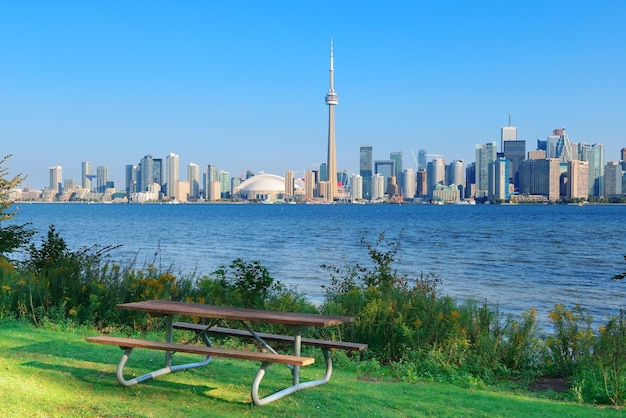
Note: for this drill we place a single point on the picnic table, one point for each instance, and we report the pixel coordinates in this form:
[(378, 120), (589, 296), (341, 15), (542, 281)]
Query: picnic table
[(295, 322)]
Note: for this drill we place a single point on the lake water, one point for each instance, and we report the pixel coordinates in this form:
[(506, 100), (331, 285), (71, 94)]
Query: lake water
[(516, 256)]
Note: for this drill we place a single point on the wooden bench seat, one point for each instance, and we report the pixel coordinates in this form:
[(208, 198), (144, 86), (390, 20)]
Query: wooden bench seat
[(269, 337), (208, 351)]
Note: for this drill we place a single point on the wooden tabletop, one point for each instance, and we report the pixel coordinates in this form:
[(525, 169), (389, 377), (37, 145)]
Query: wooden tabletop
[(166, 307)]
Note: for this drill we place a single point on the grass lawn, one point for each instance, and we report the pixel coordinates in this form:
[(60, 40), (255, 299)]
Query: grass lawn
[(47, 372)]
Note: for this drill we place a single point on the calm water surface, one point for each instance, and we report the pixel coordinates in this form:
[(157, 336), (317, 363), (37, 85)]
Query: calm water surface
[(516, 256)]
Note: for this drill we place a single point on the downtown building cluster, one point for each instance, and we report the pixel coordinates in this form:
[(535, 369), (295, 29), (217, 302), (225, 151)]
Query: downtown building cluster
[(558, 169)]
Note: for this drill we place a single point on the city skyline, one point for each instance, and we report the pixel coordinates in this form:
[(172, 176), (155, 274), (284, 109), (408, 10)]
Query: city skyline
[(239, 87)]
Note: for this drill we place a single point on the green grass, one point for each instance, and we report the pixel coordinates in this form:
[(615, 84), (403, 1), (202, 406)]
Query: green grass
[(48, 372)]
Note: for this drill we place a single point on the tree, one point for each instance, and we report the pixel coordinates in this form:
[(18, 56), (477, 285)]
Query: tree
[(12, 237)]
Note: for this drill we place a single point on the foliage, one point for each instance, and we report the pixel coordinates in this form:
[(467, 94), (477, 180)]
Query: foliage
[(620, 276), (12, 237), (245, 284)]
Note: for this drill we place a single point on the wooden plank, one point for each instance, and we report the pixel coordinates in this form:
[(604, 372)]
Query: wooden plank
[(196, 349), (271, 337), (165, 307)]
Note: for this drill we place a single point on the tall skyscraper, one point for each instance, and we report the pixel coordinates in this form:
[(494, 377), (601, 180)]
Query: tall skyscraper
[(485, 154), (422, 159), (613, 179), (435, 174), (541, 177), (172, 175), (193, 176), (397, 157), (85, 175), (409, 184), (508, 133), (131, 179), (514, 151), (56, 178), (331, 101), (290, 186), (594, 155), (577, 179), (102, 177), (499, 179), (356, 187), (366, 169)]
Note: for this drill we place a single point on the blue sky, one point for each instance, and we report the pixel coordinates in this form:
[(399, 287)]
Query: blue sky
[(241, 84)]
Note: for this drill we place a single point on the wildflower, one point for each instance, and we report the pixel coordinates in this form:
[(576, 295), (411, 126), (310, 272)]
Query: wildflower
[(6, 288)]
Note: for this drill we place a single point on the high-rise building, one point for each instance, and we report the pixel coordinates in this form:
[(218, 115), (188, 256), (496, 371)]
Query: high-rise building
[(224, 180), (623, 154), (485, 154), (173, 175), (131, 173), (508, 133), (56, 178), (385, 168), (540, 177), (378, 186), (149, 173), (435, 174), (455, 174), (594, 155), (86, 175), (577, 179), (356, 187), (210, 178), (422, 159), (193, 177), (397, 157), (309, 185), (366, 169), (409, 184), (514, 151), (613, 179), (290, 185), (102, 177), (331, 100), (499, 179)]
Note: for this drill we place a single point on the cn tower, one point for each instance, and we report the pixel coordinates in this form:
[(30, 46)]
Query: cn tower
[(331, 101)]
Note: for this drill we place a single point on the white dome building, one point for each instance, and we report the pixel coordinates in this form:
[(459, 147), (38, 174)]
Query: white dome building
[(265, 187)]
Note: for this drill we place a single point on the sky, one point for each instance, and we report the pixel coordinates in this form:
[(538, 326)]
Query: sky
[(241, 84)]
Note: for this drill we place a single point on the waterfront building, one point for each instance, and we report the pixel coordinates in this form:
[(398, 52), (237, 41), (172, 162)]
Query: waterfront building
[(541, 177), (378, 187), (56, 179), (290, 184), (551, 142), (613, 179), (385, 168), (223, 177), (485, 154), (131, 174), (455, 174), (69, 185), (150, 172), (309, 185), (193, 177), (173, 175), (366, 169), (210, 178), (470, 180), (515, 152), (102, 177), (594, 155), (331, 100), (445, 193), (577, 179), (435, 174), (565, 151), (421, 187), (356, 187), (409, 184), (396, 156), (86, 172), (422, 159), (499, 180), (182, 191)]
